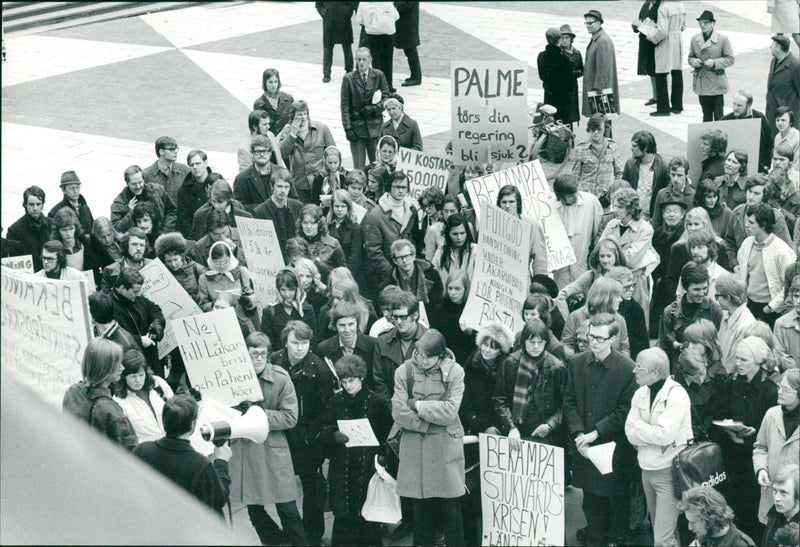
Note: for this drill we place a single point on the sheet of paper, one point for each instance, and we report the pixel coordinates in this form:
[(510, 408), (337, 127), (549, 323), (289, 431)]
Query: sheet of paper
[(601, 456), (359, 431)]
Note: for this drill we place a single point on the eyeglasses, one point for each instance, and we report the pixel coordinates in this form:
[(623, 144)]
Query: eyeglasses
[(260, 152), (259, 353), (171, 148), (403, 258), (49, 258), (595, 338), (397, 317)]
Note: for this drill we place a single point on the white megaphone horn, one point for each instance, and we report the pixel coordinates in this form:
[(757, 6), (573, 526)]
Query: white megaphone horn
[(252, 425)]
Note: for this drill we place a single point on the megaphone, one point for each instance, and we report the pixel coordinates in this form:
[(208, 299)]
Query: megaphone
[(252, 425)]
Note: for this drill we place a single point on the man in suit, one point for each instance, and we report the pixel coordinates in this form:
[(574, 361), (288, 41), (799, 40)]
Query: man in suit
[(363, 91), (349, 340), (282, 210), (28, 234), (399, 126), (600, 384), (173, 456)]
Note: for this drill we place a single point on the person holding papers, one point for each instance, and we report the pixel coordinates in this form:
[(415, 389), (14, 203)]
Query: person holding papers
[(351, 468), (659, 425)]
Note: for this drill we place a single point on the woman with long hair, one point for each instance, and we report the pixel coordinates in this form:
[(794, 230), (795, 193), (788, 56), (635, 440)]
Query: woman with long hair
[(311, 282), (509, 199), (276, 103), (313, 227), (144, 217), (142, 395), (343, 226), (330, 179), (605, 296), (458, 250), (709, 197), (732, 182), (66, 228), (713, 147), (446, 318), (700, 338), (605, 255), (630, 310), (291, 306)]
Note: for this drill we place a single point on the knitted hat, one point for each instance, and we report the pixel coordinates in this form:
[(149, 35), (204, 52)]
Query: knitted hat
[(69, 177)]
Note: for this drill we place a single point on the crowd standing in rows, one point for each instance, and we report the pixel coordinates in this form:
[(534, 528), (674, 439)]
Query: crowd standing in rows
[(707, 269)]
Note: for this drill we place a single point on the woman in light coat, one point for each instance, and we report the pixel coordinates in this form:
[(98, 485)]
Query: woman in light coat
[(431, 470), (775, 448), (670, 24)]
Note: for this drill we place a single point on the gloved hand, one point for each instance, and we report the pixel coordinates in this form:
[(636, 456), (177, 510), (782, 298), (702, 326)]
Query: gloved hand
[(340, 438), (155, 331), (368, 112), (351, 135)]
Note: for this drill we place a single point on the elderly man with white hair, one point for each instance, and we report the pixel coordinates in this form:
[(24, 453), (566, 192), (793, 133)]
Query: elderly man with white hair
[(400, 126), (659, 425)]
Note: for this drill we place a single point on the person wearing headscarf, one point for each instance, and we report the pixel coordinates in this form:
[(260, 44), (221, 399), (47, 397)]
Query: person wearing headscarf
[(329, 179)]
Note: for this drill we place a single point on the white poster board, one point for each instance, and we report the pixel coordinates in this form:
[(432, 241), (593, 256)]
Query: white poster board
[(522, 493), (742, 134), (489, 101), (538, 201), (22, 263), (424, 170), (161, 287), (501, 278), (45, 330), (216, 358), (264, 257)]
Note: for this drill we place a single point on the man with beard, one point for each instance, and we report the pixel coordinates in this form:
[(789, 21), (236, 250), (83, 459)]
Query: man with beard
[(743, 110), (138, 191), (101, 308), (702, 246), (27, 235), (54, 262), (134, 244)]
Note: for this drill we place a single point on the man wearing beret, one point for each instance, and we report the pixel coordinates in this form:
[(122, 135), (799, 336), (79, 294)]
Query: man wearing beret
[(710, 53), (71, 187)]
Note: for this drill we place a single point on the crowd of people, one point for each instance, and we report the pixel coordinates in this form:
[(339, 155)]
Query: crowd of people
[(678, 323)]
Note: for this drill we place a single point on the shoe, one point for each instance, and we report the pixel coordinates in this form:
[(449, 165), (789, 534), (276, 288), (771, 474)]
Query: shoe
[(675, 110), (326, 79), (582, 535), (650, 102), (402, 531), (409, 83), (393, 89), (658, 114)]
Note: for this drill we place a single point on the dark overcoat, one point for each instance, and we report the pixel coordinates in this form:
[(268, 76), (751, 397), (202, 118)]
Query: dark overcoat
[(336, 26), (406, 33)]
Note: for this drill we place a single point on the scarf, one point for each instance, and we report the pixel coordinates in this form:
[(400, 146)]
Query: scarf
[(400, 209), (232, 264), (527, 373), (790, 419)]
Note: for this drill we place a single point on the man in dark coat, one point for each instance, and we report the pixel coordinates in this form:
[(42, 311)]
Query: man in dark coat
[(71, 187), (348, 340), (555, 71), (166, 170), (138, 191), (193, 193), (743, 109), (363, 91), (27, 235), (253, 186), (133, 244), (644, 152), (406, 37), (783, 82), (415, 275), (336, 29), (174, 457), (600, 70), (101, 308), (282, 210), (600, 384)]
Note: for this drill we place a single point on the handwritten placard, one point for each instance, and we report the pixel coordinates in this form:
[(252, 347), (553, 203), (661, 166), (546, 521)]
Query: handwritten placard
[(46, 328), (522, 492), (161, 287), (264, 258), (489, 102), (216, 358), (538, 201), (20, 263), (501, 279), (424, 170)]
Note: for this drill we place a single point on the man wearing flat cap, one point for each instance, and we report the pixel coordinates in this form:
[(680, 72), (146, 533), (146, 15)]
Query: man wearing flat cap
[(71, 187), (710, 53), (783, 82), (600, 71)]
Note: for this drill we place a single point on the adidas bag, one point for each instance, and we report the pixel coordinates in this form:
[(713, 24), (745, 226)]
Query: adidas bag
[(698, 465)]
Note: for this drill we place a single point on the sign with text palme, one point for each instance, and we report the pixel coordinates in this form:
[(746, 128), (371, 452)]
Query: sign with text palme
[(216, 358), (45, 330), (538, 201), (522, 492), (264, 258), (500, 280)]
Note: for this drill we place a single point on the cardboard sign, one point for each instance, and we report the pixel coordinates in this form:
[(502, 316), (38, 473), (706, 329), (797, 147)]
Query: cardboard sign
[(742, 134), (19, 263), (522, 493), (359, 212), (161, 287), (501, 279), (424, 170), (489, 111), (216, 358), (46, 328), (264, 258), (538, 201)]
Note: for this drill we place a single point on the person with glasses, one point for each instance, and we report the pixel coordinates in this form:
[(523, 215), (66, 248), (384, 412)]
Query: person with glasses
[(167, 170), (605, 296), (347, 319), (71, 187), (778, 444), (253, 185), (258, 123), (710, 53), (416, 275), (54, 263), (597, 398), (630, 310)]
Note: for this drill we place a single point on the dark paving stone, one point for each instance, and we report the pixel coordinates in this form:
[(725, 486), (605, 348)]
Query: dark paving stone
[(130, 30), (121, 100)]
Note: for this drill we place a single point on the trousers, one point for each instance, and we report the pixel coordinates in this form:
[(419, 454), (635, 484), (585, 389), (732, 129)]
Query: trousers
[(662, 506), (663, 98), (327, 59), (360, 149), (712, 106), (381, 46), (441, 513), (269, 533), (413, 63)]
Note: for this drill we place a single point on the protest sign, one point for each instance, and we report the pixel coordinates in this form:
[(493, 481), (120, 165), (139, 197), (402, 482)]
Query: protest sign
[(20, 263), (424, 170), (489, 111), (742, 134), (538, 201), (359, 212), (264, 258), (500, 280), (46, 327), (522, 492), (216, 358), (161, 287)]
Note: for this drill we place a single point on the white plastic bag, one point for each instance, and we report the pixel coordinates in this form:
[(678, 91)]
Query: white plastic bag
[(382, 503)]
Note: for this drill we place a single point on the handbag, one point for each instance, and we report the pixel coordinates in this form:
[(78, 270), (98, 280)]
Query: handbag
[(698, 464), (382, 503)]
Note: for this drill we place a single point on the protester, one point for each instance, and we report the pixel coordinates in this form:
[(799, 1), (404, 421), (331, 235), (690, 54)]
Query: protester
[(138, 191), (664, 239), (678, 189), (446, 317), (580, 213), (171, 249), (710, 53), (711, 518), (336, 29), (71, 187), (273, 101), (220, 199), (142, 395), (291, 306), (605, 255), (347, 319), (144, 218), (101, 309), (400, 126), (90, 399), (600, 70), (787, 327), (218, 228), (700, 340), (630, 310), (54, 263), (555, 71), (253, 185), (646, 170), (703, 249), (28, 233), (703, 390), (596, 161), (786, 132), (509, 199), (194, 192), (342, 287), (573, 113), (133, 243), (329, 180), (431, 201), (66, 229), (709, 196)]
